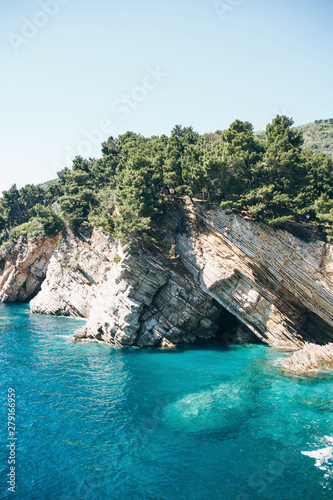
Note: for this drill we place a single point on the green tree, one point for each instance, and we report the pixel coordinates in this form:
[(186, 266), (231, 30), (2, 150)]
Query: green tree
[(79, 195), (136, 202), (29, 196), (10, 207), (51, 223)]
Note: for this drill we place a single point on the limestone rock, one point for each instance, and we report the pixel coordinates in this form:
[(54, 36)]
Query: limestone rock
[(278, 287), (75, 273), (310, 357), (233, 278), (23, 267)]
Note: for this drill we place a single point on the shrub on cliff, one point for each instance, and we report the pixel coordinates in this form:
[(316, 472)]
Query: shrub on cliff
[(47, 223), (50, 222), (31, 228)]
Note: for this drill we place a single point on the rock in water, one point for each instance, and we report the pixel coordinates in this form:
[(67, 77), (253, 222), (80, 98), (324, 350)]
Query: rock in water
[(228, 277), (310, 357)]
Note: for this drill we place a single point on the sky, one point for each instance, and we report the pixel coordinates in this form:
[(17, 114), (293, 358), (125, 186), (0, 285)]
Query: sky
[(75, 72)]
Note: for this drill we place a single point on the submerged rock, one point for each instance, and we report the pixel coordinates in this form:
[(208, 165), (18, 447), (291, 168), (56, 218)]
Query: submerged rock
[(222, 408)]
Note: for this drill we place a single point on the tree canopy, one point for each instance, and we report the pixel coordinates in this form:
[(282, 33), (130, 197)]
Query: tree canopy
[(126, 192)]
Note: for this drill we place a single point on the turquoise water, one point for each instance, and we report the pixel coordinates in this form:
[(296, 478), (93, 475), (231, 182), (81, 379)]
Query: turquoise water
[(95, 422)]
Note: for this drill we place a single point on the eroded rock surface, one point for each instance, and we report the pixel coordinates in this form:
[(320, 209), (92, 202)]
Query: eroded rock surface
[(23, 267), (279, 287), (310, 357), (230, 278), (75, 273), (146, 304)]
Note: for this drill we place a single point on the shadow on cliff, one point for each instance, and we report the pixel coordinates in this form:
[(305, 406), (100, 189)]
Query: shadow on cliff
[(267, 306)]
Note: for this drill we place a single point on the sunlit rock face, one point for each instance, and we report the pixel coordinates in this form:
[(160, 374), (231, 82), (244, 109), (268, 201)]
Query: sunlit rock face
[(312, 357), (277, 286), (230, 278), (23, 267), (145, 304), (75, 273)]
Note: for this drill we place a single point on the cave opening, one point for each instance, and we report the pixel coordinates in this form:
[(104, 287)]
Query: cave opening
[(230, 330), (227, 325)]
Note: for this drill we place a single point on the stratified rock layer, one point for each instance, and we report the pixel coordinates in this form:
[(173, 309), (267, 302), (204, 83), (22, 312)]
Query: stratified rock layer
[(75, 274), (276, 284), (23, 267), (146, 304), (279, 287)]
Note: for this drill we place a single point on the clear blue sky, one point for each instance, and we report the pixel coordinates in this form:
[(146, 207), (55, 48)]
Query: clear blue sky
[(246, 59)]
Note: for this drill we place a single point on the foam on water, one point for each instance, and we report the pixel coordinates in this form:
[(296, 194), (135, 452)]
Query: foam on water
[(323, 457)]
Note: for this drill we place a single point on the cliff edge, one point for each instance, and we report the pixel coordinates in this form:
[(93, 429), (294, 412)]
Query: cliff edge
[(75, 273), (214, 274), (23, 267), (276, 287)]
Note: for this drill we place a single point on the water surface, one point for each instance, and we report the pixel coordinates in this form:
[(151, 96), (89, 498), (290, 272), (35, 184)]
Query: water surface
[(97, 422)]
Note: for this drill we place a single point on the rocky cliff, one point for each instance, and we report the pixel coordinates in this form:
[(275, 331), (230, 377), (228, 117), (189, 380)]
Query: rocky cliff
[(23, 267), (75, 273), (233, 278), (229, 278)]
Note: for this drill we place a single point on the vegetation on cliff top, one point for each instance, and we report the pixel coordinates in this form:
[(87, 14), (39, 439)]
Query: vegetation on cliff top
[(271, 178)]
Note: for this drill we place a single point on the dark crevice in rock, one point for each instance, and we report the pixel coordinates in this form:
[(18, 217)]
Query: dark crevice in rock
[(90, 280), (227, 325), (228, 329), (2, 264), (33, 295), (315, 329)]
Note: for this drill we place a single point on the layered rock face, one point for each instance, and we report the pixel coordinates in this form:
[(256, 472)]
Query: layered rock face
[(75, 273), (231, 278), (145, 304), (277, 286), (23, 267)]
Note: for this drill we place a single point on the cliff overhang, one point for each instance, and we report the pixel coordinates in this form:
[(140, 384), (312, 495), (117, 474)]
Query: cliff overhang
[(228, 278)]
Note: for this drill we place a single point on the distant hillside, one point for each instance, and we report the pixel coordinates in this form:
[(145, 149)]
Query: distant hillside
[(318, 136)]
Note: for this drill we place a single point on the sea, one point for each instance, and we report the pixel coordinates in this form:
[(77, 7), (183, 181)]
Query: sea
[(92, 421)]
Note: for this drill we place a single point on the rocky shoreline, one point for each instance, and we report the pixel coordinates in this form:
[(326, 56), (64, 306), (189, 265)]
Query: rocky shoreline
[(312, 357), (230, 278)]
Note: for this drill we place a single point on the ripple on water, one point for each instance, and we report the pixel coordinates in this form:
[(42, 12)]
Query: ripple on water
[(98, 422)]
